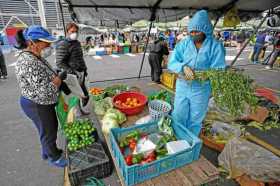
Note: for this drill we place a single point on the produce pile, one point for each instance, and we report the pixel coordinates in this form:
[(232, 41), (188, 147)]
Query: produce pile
[(136, 146), (129, 103), (112, 119), (161, 95), (101, 106), (115, 89), (79, 134), (96, 91), (231, 90)]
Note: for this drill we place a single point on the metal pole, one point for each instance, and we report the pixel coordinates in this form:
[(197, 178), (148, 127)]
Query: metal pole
[(42, 13), (62, 17), (248, 40), (145, 50)]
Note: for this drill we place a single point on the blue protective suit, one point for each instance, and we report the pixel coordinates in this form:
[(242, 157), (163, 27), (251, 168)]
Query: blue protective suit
[(191, 98)]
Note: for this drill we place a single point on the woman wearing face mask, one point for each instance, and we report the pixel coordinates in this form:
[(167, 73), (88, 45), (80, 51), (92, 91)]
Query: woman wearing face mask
[(69, 58), (39, 85), (197, 52)]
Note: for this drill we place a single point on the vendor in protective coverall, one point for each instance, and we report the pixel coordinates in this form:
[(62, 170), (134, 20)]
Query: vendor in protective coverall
[(197, 52)]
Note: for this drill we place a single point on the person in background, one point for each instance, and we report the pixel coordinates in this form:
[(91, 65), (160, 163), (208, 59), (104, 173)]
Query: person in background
[(260, 41), (39, 85), (240, 39), (171, 40), (69, 58), (182, 35), (3, 67), (157, 49), (197, 52), (275, 53)]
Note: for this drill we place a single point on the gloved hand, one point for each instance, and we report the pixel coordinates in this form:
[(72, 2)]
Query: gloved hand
[(189, 73)]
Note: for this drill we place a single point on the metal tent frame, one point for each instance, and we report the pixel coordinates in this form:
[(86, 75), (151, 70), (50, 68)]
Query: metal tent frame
[(153, 9)]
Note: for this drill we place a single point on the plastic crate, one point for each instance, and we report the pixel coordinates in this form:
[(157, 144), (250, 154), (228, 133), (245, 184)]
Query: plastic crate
[(88, 162), (168, 79), (138, 173), (100, 53)]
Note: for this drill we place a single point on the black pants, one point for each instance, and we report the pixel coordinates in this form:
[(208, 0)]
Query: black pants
[(273, 57), (45, 120), (155, 64), (3, 68)]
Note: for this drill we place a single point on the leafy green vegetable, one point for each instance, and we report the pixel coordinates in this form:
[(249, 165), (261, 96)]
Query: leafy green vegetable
[(120, 117), (112, 119), (115, 89), (231, 90), (100, 107), (161, 95), (164, 125)]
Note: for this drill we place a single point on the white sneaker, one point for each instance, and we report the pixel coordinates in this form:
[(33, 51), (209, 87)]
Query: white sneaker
[(268, 67)]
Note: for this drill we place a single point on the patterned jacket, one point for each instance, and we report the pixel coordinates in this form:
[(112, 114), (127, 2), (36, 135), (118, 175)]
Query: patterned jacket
[(35, 79)]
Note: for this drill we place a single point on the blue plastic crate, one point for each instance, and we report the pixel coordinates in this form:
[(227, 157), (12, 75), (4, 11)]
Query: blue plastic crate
[(100, 53), (138, 173)]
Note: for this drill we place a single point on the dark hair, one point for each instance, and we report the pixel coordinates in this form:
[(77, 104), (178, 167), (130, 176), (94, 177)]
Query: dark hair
[(71, 25), (21, 42)]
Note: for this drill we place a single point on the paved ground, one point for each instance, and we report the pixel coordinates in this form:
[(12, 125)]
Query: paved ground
[(20, 163)]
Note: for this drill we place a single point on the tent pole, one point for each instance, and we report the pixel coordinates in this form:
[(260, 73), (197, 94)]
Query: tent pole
[(62, 17), (248, 40), (145, 50), (216, 21)]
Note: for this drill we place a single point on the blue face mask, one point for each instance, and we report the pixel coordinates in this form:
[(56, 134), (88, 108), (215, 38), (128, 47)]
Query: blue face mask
[(198, 38)]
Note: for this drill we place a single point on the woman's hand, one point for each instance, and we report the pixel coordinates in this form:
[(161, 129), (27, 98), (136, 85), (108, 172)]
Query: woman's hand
[(189, 73), (56, 81)]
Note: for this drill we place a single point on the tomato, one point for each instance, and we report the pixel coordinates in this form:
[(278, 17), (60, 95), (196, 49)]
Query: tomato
[(151, 156), (65, 107), (128, 159)]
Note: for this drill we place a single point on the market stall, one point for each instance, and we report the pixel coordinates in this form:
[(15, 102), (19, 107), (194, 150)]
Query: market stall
[(174, 168), (132, 167)]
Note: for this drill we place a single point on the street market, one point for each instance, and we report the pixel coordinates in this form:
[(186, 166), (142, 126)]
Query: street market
[(186, 114)]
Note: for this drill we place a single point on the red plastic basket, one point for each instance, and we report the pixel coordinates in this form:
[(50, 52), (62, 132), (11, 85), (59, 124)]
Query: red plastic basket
[(130, 111)]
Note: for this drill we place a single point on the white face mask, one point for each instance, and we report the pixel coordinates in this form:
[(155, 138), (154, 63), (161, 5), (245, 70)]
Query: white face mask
[(46, 52), (73, 36)]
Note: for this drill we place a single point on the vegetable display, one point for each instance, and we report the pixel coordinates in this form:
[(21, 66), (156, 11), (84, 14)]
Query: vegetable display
[(129, 103), (79, 134), (231, 90), (112, 119), (96, 91), (131, 144), (161, 95), (115, 89), (101, 106)]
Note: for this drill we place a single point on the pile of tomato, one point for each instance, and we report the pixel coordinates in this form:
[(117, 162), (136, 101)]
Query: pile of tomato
[(128, 103), (96, 91)]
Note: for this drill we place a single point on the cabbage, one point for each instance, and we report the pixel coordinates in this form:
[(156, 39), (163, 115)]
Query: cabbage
[(100, 107), (120, 117), (107, 124)]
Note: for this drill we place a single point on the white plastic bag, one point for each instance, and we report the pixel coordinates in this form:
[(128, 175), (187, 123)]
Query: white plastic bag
[(241, 157), (74, 85)]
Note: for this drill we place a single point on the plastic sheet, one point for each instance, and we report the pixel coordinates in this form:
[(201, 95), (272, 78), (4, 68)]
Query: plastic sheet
[(241, 157)]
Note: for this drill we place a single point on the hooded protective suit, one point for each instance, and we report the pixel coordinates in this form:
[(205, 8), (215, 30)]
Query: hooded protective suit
[(191, 99)]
